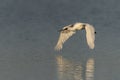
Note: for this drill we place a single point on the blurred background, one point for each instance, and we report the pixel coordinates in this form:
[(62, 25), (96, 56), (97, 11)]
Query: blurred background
[(29, 32)]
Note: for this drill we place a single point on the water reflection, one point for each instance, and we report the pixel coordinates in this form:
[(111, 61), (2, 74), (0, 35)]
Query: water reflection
[(69, 70), (90, 69)]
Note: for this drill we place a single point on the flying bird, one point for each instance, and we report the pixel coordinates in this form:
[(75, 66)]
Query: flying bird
[(67, 31)]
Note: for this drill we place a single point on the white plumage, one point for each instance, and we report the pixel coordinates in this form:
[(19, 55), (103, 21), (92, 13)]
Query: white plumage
[(67, 31)]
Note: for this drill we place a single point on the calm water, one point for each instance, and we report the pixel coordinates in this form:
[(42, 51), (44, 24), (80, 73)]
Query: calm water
[(29, 32)]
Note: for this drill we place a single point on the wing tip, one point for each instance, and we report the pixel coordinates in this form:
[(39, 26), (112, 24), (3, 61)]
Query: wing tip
[(91, 46), (58, 48)]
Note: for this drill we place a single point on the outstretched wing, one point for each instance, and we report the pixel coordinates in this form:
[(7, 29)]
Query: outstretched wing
[(90, 35), (64, 35)]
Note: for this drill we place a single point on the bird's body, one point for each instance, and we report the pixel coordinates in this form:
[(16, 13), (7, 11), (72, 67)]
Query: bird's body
[(67, 31)]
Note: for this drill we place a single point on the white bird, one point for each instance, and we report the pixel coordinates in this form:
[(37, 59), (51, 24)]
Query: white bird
[(67, 31)]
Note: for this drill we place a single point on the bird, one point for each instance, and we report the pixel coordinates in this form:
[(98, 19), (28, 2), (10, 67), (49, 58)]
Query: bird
[(69, 30)]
